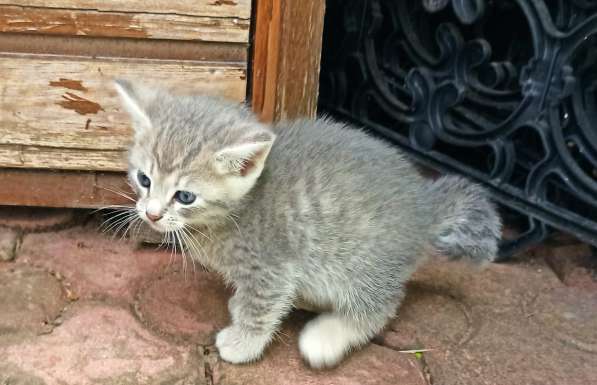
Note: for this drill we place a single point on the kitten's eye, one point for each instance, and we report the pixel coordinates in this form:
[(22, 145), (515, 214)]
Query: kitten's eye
[(185, 197), (143, 179)]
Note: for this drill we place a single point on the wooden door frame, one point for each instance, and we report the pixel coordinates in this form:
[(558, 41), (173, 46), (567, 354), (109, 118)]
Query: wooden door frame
[(283, 84)]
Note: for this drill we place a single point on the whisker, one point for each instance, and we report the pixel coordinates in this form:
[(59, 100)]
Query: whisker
[(174, 248), (137, 229), (120, 193), (182, 248), (197, 245), (112, 207), (113, 221), (189, 240), (122, 226), (115, 216), (134, 222), (126, 220), (119, 212), (167, 244), (198, 231), (236, 224)]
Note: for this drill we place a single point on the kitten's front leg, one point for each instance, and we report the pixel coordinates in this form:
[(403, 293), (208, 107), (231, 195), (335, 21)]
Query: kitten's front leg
[(256, 314)]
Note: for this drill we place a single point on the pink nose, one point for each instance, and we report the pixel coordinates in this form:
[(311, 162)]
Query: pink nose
[(152, 217)]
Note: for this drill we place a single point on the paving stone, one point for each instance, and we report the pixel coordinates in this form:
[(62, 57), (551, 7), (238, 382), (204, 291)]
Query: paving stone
[(189, 307), (575, 264), (509, 324), (282, 365), (11, 375), (34, 219), (99, 344), (9, 239), (93, 264), (30, 299)]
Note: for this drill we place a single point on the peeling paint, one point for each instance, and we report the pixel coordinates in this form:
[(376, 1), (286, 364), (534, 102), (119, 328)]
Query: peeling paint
[(224, 2), (63, 22), (78, 104), (70, 84)]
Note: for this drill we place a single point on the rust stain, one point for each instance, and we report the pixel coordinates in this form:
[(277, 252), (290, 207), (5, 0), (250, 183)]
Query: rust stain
[(70, 84), (66, 22), (224, 2), (78, 104)]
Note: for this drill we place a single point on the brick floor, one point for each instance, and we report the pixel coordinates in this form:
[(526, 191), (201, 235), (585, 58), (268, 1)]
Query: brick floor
[(78, 307)]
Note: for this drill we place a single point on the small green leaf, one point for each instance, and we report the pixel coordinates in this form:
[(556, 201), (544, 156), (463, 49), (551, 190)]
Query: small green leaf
[(419, 355)]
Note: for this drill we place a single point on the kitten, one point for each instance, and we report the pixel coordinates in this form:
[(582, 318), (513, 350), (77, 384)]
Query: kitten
[(301, 214)]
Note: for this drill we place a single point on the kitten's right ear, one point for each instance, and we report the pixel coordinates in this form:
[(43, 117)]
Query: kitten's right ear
[(136, 99)]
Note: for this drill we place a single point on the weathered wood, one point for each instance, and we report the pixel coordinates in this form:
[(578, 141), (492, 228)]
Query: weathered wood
[(286, 58), (215, 8), (60, 103), (85, 22), (100, 47), (61, 188), (20, 156)]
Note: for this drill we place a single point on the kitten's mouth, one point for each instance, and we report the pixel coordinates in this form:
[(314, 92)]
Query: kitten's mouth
[(160, 227), (156, 226)]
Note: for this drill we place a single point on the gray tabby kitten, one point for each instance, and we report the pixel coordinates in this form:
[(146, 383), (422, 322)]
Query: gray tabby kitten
[(302, 214)]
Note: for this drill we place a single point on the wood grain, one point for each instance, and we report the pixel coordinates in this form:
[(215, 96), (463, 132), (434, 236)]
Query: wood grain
[(100, 47), (215, 8), (83, 189), (59, 102), (286, 58), (83, 22), (19, 156)]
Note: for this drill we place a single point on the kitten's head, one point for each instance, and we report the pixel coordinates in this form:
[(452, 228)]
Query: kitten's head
[(193, 158)]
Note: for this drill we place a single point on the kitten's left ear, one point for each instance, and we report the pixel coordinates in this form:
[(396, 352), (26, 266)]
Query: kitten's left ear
[(247, 158), (136, 99)]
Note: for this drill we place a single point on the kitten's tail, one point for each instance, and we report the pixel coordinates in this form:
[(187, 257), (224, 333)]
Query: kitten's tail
[(466, 223)]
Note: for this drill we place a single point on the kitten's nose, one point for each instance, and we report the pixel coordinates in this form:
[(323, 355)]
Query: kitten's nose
[(152, 217), (154, 210)]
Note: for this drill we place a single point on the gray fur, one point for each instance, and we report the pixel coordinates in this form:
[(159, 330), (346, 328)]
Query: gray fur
[(337, 220)]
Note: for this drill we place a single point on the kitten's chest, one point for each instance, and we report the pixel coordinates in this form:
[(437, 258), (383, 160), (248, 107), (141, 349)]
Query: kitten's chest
[(221, 253)]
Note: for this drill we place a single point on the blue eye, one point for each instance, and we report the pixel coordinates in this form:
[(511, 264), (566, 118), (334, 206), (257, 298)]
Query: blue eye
[(143, 179), (185, 197)]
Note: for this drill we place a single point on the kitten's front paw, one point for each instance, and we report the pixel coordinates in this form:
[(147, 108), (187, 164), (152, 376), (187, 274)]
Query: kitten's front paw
[(239, 347)]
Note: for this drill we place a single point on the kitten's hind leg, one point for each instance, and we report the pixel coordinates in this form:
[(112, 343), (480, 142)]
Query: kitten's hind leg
[(326, 339)]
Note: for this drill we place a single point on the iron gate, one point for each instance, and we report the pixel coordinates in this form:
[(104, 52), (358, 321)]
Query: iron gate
[(502, 91)]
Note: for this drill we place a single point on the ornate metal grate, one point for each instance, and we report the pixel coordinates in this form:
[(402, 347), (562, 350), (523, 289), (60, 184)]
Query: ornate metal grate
[(503, 91)]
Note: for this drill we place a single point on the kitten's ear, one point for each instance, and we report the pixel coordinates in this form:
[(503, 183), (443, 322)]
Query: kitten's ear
[(136, 99), (247, 158)]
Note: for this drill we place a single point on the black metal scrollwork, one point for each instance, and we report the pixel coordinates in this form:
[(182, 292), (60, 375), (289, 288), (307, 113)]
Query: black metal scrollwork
[(504, 91)]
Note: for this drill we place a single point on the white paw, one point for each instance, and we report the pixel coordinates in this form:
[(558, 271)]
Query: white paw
[(238, 347), (326, 339)]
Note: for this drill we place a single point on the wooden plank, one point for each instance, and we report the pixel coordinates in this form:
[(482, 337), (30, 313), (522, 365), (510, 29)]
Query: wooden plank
[(61, 188), (99, 47), (82, 22), (62, 158), (286, 58), (215, 8), (68, 103)]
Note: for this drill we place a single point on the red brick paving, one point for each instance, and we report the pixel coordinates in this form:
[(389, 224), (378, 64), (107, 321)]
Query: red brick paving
[(77, 307), (95, 265), (191, 306), (510, 324), (30, 300)]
